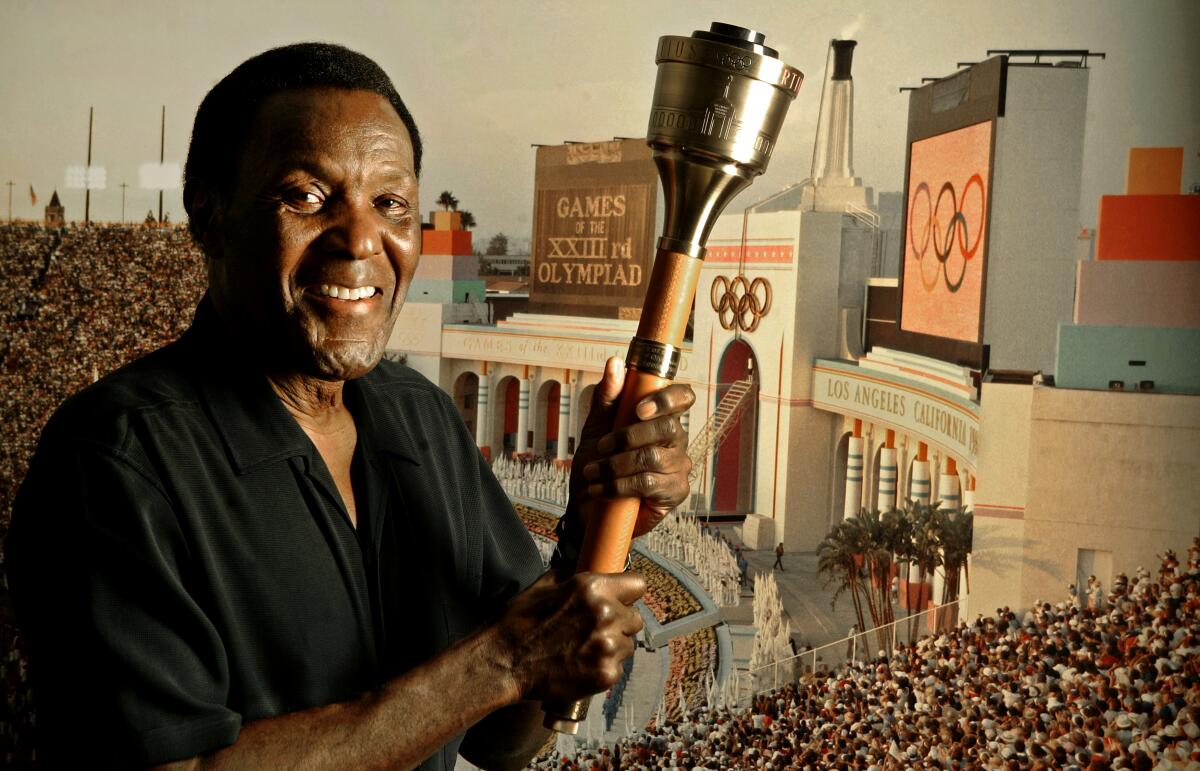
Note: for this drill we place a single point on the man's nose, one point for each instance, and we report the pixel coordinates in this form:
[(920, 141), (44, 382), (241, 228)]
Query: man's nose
[(355, 233)]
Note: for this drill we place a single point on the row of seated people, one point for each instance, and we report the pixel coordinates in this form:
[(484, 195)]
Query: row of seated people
[(693, 662), (1062, 686), (665, 596)]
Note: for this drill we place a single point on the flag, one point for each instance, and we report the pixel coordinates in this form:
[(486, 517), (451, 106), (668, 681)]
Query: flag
[(32, 196)]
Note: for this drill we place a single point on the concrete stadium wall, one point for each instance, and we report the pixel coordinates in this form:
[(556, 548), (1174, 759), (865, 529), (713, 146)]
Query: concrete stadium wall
[(997, 563), (1108, 472), (1034, 214)]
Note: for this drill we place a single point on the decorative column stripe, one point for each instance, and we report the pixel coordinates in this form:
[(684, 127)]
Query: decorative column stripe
[(999, 512)]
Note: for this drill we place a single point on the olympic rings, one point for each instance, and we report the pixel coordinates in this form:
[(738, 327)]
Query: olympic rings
[(737, 302), (956, 230)]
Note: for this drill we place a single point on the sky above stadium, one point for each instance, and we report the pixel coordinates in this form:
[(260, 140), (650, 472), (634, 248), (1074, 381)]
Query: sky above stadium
[(486, 80)]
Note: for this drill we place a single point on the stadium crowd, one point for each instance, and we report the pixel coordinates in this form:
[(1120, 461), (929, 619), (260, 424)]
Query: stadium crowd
[(1064, 686), (75, 304), (78, 303)]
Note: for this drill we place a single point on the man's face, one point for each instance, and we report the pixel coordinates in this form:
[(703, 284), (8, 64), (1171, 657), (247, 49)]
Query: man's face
[(312, 250)]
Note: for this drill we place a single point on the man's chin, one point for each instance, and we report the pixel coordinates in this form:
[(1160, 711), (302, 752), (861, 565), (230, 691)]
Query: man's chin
[(344, 361)]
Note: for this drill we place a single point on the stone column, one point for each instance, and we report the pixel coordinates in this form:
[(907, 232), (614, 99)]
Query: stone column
[(920, 477), (483, 416), (868, 474), (887, 479), (854, 477), (564, 420), (935, 475), (523, 418), (948, 496)]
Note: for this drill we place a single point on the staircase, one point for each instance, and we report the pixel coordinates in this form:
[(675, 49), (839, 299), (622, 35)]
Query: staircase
[(714, 432), (864, 216), (871, 221)]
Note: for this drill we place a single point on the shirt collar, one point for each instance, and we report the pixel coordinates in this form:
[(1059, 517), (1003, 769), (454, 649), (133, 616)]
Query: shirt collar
[(253, 424), (380, 424)]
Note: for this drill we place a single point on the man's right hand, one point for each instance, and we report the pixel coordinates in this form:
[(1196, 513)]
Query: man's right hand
[(564, 637)]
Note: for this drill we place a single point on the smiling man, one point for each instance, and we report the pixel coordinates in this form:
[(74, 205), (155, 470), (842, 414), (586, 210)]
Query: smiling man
[(261, 546)]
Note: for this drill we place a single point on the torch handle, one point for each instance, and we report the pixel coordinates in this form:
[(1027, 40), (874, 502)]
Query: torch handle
[(669, 296), (606, 544)]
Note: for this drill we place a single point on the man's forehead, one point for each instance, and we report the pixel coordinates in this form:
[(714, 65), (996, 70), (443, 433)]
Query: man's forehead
[(314, 121)]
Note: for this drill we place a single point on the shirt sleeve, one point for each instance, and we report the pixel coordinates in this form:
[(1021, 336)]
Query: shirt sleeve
[(127, 669)]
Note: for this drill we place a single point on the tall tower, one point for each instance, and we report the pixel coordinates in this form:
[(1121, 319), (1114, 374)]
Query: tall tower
[(834, 185), (55, 213)]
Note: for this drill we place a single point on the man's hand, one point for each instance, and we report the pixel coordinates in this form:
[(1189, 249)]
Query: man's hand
[(647, 459), (565, 636)]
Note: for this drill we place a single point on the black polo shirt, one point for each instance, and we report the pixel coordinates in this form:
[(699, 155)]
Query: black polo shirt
[(182, 564)]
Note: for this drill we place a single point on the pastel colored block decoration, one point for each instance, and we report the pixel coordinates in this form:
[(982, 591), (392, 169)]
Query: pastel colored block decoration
[(446, 220), (1154, 171), (459, 267), (446, 241), (1137, 293), (1095, 357), (1149, 227)]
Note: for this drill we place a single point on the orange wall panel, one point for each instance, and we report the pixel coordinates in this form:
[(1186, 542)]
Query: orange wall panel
[(456, 242), (1154, 171), (1149, 227)]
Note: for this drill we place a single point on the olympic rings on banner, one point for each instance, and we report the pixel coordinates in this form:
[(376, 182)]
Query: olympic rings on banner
[(956, 230), (740, 304)]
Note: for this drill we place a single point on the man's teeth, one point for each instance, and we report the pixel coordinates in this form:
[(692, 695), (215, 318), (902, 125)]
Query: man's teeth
[(345, 292)]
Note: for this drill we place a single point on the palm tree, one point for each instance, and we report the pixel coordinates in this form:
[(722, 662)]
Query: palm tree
[(468, 219), (447, 201), (955, 532), (924, 550), (838, 560)]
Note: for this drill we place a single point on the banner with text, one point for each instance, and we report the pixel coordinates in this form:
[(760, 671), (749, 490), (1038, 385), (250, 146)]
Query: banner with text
[(593, 226), (944, 420)]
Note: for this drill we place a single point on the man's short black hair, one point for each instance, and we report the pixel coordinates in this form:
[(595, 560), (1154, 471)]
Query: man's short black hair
[(228, 111)]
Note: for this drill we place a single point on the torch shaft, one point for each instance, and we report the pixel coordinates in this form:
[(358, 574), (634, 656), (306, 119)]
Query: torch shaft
[(606, 543), (665, 311)]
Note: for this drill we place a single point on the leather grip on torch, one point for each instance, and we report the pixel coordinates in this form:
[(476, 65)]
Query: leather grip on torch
[(651, 365)]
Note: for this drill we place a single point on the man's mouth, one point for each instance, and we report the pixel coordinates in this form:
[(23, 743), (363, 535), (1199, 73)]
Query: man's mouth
[(340, 292)]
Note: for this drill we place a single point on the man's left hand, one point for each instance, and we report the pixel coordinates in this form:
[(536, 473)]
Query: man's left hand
[(647, 459)]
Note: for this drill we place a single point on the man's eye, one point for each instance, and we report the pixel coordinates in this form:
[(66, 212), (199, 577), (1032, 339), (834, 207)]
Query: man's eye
[(392, 206), (304, 199)]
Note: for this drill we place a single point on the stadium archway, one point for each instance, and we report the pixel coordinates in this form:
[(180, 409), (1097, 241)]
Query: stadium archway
[(734, 465), (841, 457), (466, 398), (545, 431), (582, 408), (504, 415), (872, 501)]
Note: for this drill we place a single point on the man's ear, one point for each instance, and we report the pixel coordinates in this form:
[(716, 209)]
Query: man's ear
[(207, 220)]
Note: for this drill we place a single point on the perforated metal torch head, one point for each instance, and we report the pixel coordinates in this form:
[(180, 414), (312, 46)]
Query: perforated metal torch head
[(719, 104)]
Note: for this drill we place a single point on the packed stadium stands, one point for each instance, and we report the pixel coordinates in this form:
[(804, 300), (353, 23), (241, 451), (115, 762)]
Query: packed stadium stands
[(1063, 686)]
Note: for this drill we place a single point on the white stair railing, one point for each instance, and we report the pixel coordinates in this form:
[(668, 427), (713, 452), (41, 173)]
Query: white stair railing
[(718, 426)]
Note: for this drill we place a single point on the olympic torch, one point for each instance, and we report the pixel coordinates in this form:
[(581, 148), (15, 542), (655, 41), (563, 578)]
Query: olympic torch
[(719, 104)]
